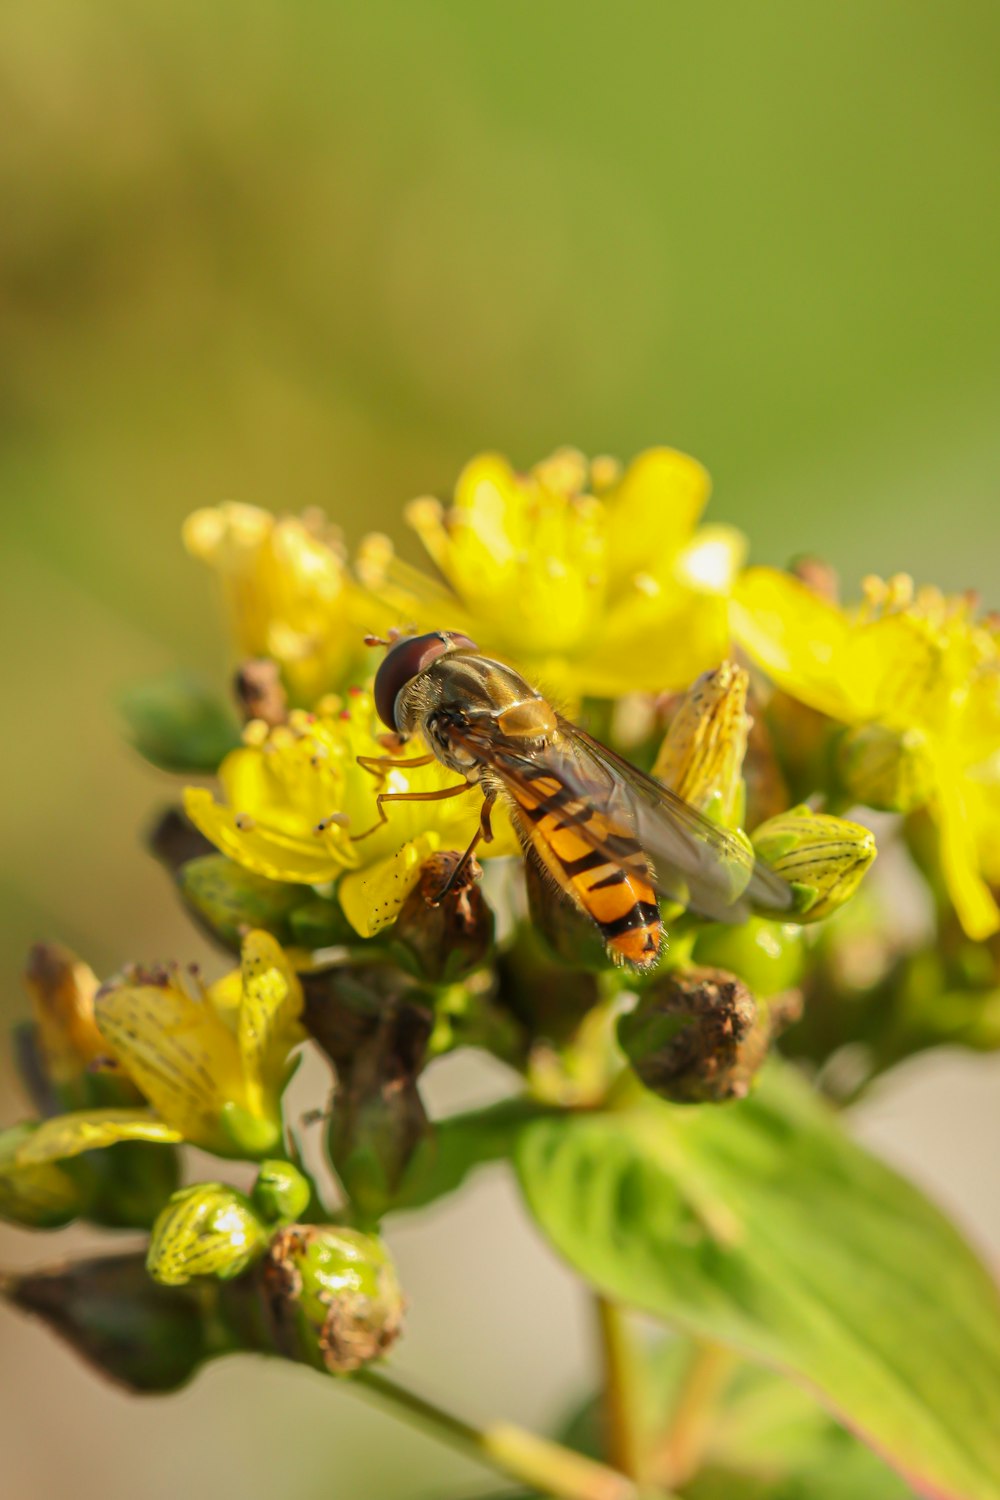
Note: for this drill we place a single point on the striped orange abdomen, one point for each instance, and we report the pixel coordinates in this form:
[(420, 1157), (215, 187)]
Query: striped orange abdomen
[(616, 893)]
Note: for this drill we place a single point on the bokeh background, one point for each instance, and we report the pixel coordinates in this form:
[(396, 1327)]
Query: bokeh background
[(320, 253)]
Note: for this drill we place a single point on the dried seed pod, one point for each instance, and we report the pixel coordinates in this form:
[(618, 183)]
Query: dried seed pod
[(695, 1037)]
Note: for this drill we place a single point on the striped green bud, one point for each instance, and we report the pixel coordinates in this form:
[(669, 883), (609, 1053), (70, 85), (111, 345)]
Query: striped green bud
[(701, 758), (823, 858), (205, 1230)]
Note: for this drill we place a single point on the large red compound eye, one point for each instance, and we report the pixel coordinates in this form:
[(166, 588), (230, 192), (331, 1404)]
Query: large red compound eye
[(406, 660)]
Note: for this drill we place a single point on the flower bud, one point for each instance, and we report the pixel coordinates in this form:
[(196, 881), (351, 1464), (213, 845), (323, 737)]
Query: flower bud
[(178, 724), (205, 1230), (447, 935), (281, 1193), (36, 1195), (695, 1037), (767, 955), (887, 769), (62, 989), (334, 1296), (702, 756), (230, 899), (260, 692), (823, 858), (377, 1117)]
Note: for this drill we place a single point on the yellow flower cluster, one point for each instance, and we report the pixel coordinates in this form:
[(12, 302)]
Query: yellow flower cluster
[(286, 589), (207, 1065), (918, 666), (591, 579), (296, 801), (595, 581)]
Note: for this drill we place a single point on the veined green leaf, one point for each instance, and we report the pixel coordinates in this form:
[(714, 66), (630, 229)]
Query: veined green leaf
[(763, 1226)]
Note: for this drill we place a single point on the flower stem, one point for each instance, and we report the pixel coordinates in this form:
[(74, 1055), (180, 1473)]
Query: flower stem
[(622, 1393), (680, 1451), (510, 1450)]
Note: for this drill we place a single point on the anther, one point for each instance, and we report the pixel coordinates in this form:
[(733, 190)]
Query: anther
[(333, 820)]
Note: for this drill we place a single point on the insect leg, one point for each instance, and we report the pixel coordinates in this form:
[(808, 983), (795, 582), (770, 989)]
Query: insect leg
[(383, 797), (485, 833), (380, 765)]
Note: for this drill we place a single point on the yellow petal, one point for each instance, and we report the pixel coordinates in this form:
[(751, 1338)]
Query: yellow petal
[(264, 849), (180, 1053), (971, 897), (713, 558), (802, 642), (91, 1130), (654, 510), (370, 899), (268, 1015), (655, 640)]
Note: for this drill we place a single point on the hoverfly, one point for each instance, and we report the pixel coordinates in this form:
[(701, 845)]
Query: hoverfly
[(612, 838)]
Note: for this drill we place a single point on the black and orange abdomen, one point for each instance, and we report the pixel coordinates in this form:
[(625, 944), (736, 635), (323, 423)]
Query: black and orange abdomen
[(616, 893)]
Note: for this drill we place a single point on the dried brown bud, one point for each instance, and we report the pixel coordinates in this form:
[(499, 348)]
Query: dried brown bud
[(447, 934), (695, 1037), (260, 693)]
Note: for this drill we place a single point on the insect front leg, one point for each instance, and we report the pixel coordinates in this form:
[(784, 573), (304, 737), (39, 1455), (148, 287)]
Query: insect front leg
[(379, 766), (383, 797), (483, 833)]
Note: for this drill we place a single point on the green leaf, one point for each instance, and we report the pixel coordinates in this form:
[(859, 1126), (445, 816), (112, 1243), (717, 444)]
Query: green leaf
[(762, 1226), (178, 723), (766, 1437), (458, 1145)]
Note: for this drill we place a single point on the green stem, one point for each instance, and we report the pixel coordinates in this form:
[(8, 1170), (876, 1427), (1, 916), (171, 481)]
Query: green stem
[(510, 1450), (683, 1444), (622, 1392)]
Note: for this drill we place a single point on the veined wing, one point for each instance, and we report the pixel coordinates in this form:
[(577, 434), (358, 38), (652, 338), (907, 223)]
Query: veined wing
[(613, 806)]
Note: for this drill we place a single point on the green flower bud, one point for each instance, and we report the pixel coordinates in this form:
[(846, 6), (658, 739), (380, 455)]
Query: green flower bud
[(334, 1296), (205, 1230), (37, 1195), (319, 923), (702, 756), (178, 723), (768, 956), (823, 858), (230, 900), (281, 1193), (884, 768), (446, 936)]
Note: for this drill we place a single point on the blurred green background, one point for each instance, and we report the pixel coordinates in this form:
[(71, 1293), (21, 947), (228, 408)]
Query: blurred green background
[(308, 253)]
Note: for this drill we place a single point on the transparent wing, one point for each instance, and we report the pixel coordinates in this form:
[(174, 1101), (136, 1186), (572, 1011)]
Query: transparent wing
[(692, 861)]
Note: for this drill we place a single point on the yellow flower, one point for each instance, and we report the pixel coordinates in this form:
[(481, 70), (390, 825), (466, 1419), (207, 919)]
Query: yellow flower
[(212, 1062), (594, 581), (62, 989), (295, 796), (286, 589), (917, 664), (35, 1190)]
